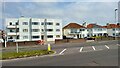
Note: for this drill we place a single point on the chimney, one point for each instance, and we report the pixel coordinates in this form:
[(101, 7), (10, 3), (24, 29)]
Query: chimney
[(107, 24)]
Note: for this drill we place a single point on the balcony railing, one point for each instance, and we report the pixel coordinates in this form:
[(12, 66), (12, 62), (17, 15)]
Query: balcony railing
[(12, 26), (74, 32), (13, 33)]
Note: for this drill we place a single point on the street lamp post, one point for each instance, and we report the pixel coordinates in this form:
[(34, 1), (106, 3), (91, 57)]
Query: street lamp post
[(45, 30), (115, 23), (16, 39)]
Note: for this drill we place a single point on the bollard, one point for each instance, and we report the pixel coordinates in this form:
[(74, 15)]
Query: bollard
[(49, 47)]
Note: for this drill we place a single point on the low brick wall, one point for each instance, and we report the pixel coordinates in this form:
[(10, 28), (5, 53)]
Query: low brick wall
[(69, 41), (26, 43), (106, 38)]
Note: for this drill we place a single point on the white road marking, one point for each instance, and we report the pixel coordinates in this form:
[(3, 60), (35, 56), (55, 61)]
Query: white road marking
[(93, 48), (107, 46), (62, 51), (81, 49)]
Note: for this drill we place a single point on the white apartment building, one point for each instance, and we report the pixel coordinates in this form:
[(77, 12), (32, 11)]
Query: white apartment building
[(74, 30), (33, 29), (96, 30), (113, 30), (78, 31)]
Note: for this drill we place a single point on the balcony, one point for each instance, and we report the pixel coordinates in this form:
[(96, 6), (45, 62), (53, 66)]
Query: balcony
[(12, 26), (13, 33), (74, 32)]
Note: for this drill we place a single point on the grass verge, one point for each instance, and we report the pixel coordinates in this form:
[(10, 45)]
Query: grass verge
[(12, 55)]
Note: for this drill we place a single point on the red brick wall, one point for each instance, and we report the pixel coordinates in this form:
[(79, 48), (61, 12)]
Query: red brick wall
[(69, 41)]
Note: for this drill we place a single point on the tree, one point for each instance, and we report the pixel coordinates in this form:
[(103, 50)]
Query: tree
[(3, 37)]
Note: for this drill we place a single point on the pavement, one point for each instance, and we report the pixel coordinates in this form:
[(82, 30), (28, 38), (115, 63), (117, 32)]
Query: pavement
[(103, 53)]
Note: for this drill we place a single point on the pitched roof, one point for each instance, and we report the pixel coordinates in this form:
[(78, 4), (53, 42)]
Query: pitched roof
[(104, 26), (113, 26), (73, 25), (94, 26)]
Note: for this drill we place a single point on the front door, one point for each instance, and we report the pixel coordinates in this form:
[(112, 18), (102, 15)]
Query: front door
[(78, 36)]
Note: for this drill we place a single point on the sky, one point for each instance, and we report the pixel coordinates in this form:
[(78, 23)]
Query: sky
[(77, 11)]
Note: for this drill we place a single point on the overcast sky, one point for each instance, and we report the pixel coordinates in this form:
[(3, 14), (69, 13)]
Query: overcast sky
[(91, 11)]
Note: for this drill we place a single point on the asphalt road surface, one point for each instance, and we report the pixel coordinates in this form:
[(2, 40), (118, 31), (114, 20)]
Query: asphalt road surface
[(93, 54)]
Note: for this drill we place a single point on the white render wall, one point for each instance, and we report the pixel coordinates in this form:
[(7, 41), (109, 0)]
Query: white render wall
[(82, 34), (95, 31), (30, 27), (111, 31)]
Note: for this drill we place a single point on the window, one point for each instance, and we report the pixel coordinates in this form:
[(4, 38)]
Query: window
[(49, 29), (42, 23), (10, 37), (113, 34), (25, 30), (17, 30), (35, 36), (91, 29), (49, 23), (35, 30), (113, 29), (25, 23), (42, 30), (35, 23), (57, 24), (57, 36), (50, 36), (17, 23), (73, 30), (11, 31), (10, 23), (88, 35), (25, 37), (57, 29), (82, 29), (18, 37), (83, 35)]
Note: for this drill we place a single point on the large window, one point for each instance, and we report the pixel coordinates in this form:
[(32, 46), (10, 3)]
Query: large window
[(50, 36), (82, 29), (113, 34), (10, 37), (49, 23), (35, 37), (113, 29), (17, 23), (25, 30), (25, 23), (35, 30), (57, 29), (18, 37), (42, 30), (57, 24), (57, 36), (35, 23), (11, 30), (73, 30), (42, 23), (50, 30), (25, 37), (10, 23)]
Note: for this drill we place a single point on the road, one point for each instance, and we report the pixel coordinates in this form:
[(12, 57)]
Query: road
[(93, 54)]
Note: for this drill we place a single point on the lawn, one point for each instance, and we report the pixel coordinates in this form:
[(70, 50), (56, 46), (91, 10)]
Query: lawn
[(12, 55)]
